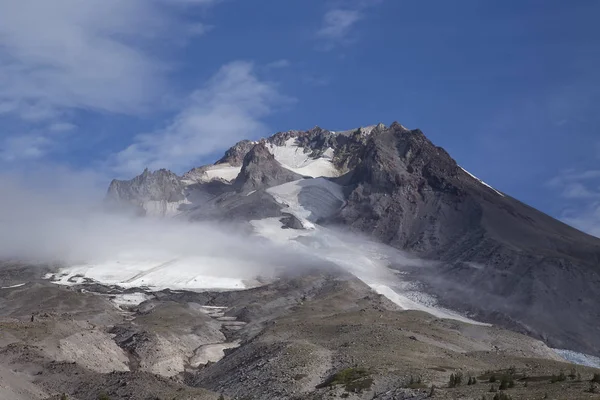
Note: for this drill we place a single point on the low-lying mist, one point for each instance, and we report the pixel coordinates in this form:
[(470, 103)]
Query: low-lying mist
[(60, 220)]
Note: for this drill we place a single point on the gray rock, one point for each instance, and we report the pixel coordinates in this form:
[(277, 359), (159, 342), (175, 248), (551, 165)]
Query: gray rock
[(261, 170)]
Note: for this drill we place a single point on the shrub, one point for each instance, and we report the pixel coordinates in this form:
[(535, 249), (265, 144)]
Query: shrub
[(492, 378), (63, 397), (416, 383), (596, 378), (507, 382), (354, 380), (502, 396), (455, 380), (103, 396), (558, 378), (592, 388), (493, 389)]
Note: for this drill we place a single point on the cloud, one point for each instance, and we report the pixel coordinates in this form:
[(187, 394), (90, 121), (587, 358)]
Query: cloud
[(581, 189), (279, 64), (23, 147), (575, 184), (230, 107), (92, 54), (62, 127), (337, 24), (586, 218)]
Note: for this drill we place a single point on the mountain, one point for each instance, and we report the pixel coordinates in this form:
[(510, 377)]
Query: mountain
[(495, 258)]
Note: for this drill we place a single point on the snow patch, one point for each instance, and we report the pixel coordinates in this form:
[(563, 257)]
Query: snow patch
[(209, 173), (578, 358), (163, 208), (482, 182), (309, 199), (272, 228), (14, 286), (160, 272), (130, 299), (293, 157)]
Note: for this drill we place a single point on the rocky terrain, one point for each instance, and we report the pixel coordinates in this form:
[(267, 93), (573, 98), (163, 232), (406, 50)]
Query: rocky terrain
[(307, 336)]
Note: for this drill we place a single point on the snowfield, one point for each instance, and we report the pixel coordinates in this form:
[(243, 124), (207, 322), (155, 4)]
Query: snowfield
[(224, 171), (293, 157), (579, 358), (157, 273), (309, 199)]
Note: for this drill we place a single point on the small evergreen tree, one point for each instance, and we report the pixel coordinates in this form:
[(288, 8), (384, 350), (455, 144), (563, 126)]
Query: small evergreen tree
[(458, 377), (596, 378), (503, 384), (432, 391), (492, 378), (452, 381)]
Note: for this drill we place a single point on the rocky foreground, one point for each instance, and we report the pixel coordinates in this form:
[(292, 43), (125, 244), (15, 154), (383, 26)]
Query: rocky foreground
[(310, 336)]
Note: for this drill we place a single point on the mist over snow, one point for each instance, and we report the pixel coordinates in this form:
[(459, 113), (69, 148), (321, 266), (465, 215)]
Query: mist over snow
[(46, 220), (57, 217)]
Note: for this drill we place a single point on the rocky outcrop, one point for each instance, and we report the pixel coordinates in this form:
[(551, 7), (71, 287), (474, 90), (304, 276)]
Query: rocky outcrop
[(151, 193), (235, 155), (261, 170)]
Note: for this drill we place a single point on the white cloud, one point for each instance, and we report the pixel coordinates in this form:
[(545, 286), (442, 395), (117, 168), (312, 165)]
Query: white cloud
[(582, 191), (585, 218), (337, 24), (230, 107), (283, 63), (62, 127), (90, 54), (28, 146)]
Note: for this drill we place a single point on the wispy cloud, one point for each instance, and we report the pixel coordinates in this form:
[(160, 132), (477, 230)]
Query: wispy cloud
[(283, 63), (337, 24), (89, 54), (581, 189), (27, 146), (230, 107), (585, 218), (62, 127)]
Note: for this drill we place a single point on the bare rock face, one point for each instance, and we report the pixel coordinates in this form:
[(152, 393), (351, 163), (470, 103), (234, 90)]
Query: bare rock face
[(501, 259), (261, 170), (148, 193), (235, 155)]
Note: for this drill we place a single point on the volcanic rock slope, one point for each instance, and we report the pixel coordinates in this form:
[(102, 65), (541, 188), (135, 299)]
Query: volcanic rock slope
[(497, 258)]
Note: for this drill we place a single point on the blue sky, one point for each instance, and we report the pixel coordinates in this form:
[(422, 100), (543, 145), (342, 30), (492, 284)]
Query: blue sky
[(510, 88)]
